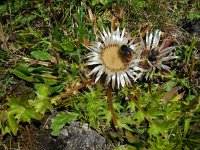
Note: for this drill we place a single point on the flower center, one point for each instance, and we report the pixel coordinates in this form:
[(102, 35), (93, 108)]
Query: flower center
[(153, 55), (112, 59)]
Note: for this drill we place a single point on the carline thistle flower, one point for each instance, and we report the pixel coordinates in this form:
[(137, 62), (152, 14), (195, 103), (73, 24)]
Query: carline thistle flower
[(107, 61), (154, 52)]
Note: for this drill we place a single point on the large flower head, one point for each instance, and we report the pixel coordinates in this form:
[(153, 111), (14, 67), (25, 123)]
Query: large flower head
[(108, 57), (155, 52)]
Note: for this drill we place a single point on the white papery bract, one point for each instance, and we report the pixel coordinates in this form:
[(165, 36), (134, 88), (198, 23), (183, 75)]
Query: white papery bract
[(155, 52), (105, 58)]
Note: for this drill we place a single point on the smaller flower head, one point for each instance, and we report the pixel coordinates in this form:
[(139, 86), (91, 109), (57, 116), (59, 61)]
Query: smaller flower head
[(155, 52), (112, 61)]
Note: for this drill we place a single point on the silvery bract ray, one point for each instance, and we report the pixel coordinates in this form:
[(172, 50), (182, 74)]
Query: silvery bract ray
[(155, 52), (106, 60)]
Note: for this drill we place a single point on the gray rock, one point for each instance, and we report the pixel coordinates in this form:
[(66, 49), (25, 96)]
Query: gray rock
[(72, 137), (78, 137)]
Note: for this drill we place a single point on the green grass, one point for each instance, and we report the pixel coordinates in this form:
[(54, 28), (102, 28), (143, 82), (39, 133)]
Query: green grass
[(42, 46)]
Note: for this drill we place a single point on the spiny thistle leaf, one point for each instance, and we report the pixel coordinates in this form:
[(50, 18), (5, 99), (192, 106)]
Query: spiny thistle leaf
[(13, 125), (43, 102), (41, 91), (18, 112), (41, 105), (153, 130), (121, 125), (139, 116), (60, 120)]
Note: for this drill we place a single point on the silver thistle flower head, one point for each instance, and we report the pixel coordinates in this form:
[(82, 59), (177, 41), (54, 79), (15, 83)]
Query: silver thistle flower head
[(107, 61), (155, 52)]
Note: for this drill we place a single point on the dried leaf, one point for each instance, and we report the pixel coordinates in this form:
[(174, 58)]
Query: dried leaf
[(169, 42), (91, 17), (171, 93), (86, 41), (113, 23), (33, 62), (4, 38)]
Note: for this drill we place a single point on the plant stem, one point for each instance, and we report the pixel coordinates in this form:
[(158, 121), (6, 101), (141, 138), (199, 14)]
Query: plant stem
[(110, 104), (137, 94)]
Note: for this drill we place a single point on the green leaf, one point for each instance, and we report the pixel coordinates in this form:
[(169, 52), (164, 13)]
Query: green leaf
[(153, 130), (121, 147), (139, 116), (41, 91), (3, 129), (131, 137), (42, 69), (60, 120), (193, 15), (186, 127), (22, 71), (13, 110), (20, 112), (24, 20), (104, 2), (160, 143), (169, 85), (24, 114), (41, 105), (154, 112), (27, 114), (131, 106), (107, 116), (40, 55), (117, 107), (3, 116), (12, 123), (43, 102), (50, 81), (165, 126), (57, 89), (125, 147), (22, 76), (123, 125)]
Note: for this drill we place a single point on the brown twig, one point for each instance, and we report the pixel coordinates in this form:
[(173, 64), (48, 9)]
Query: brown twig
[(68, 93)]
